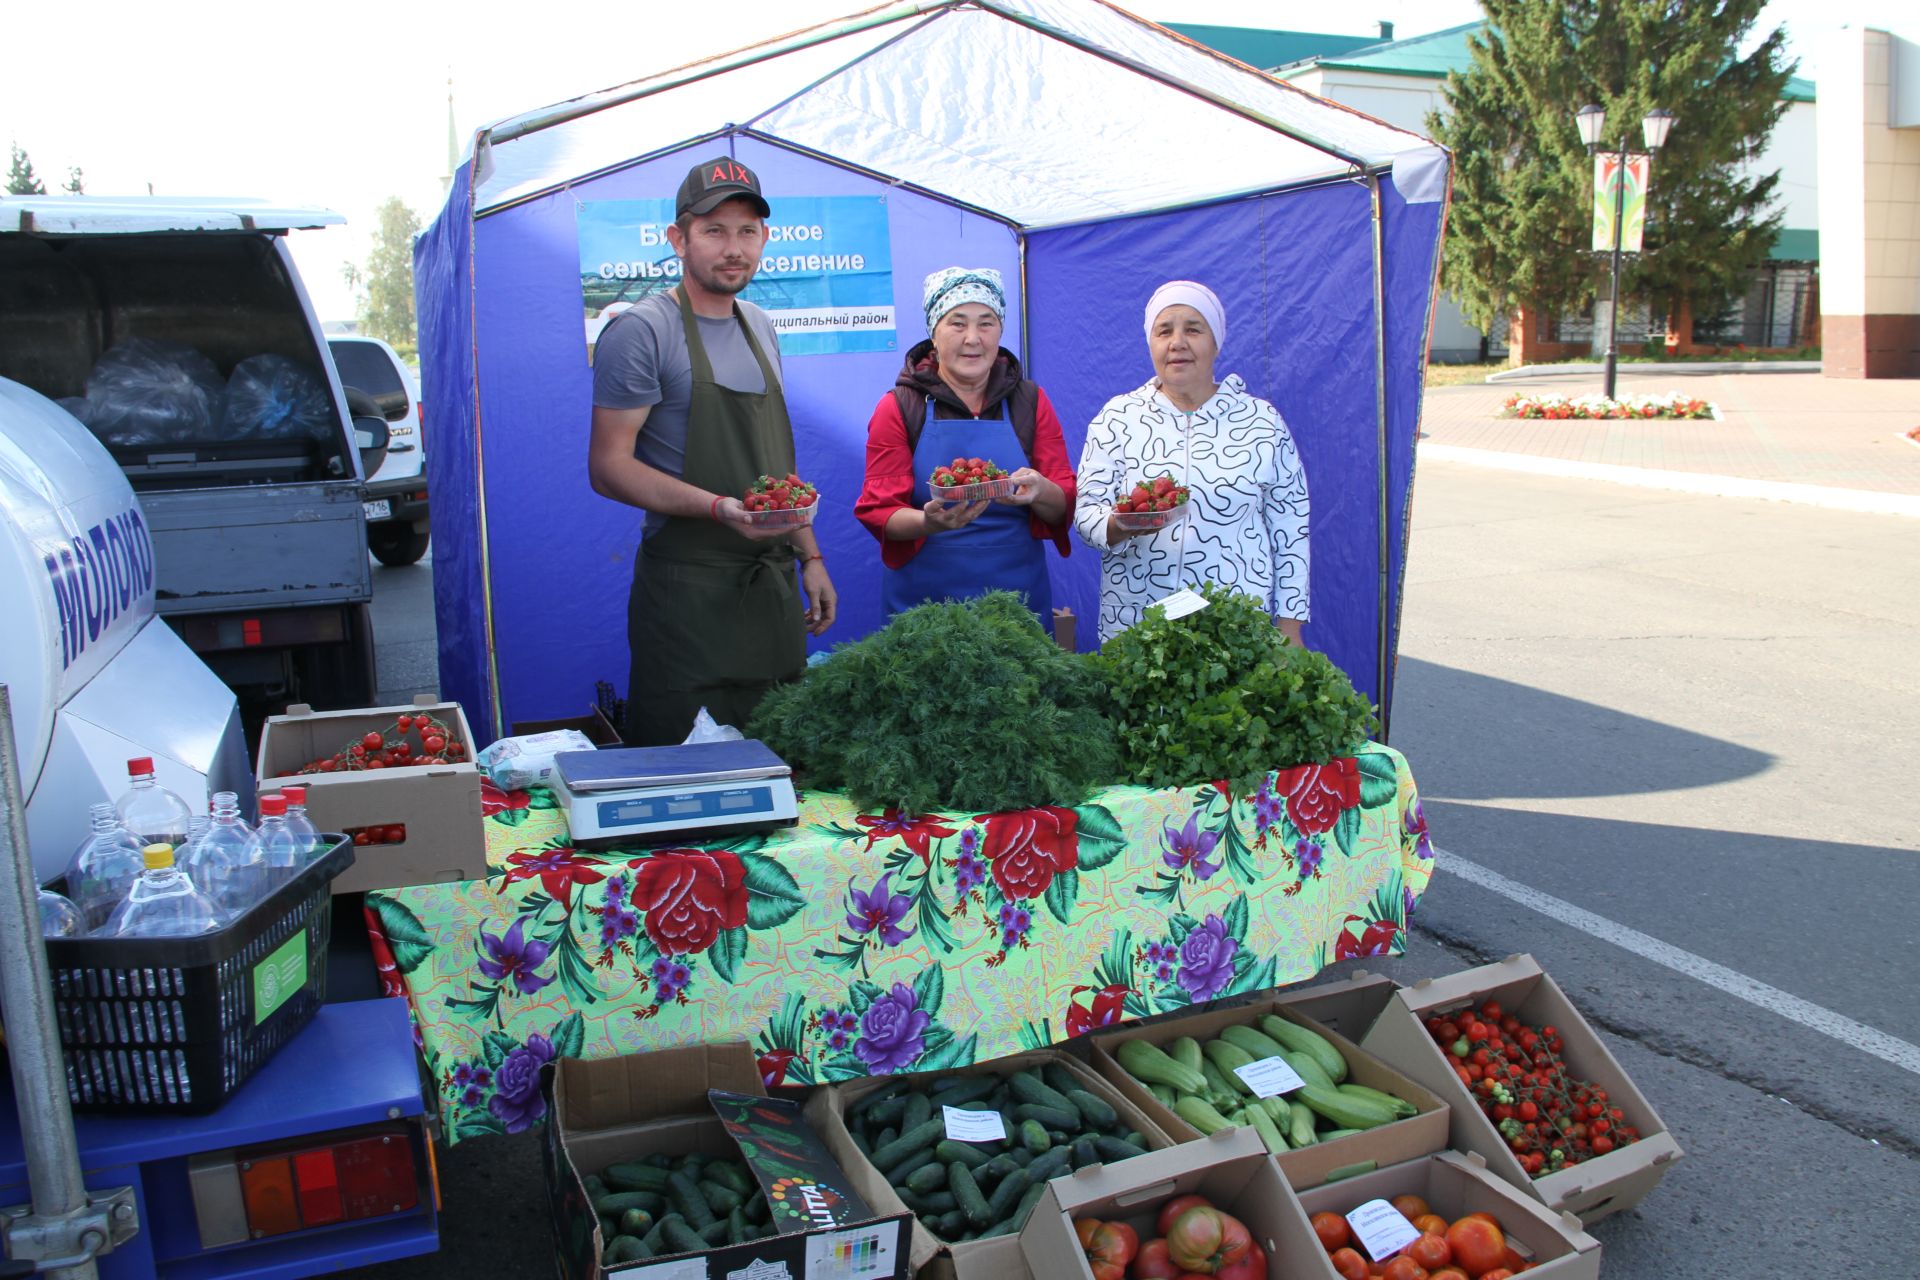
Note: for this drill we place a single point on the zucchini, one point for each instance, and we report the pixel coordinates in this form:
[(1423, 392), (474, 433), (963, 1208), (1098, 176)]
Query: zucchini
[(1200, 1113), (1163, 1094), (686, 1197), (921, 1135), (1186, 1050), (1260, 1046), (1228, 1058), (1345, 1110), (1117, 1148), (1334, 1135), (1300, 1126), (1399, 1106), (1277, 1110), (1027, 1086), (1307, 1068), (966, 1194), (1353, 1170), (1095, 1111), (1148, 1064), (631, 1175), (1263, 1125), (947, 1151), (1314, 1045)]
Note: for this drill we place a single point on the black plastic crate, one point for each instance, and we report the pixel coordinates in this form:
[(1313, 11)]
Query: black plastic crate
[(178, 1024)]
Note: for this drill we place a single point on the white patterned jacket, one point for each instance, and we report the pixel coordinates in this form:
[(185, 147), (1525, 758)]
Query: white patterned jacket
[(1248, 526)]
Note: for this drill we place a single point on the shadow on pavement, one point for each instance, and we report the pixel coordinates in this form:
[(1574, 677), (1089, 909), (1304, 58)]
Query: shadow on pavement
[(1547, 745)]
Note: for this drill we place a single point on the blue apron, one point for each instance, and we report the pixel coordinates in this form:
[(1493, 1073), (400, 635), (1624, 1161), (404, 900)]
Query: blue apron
[(997, 552)]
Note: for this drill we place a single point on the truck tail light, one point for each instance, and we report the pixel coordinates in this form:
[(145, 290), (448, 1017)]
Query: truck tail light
[(367, 1174)]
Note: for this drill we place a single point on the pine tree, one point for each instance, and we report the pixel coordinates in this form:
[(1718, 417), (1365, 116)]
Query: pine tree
[(21, 180), (1520, 230), (386, 305)]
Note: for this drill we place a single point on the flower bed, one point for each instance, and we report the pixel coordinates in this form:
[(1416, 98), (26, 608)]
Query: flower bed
[(1673, 404)]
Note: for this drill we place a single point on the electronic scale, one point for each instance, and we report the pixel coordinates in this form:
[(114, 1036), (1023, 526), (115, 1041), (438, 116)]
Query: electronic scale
[(661, 795)]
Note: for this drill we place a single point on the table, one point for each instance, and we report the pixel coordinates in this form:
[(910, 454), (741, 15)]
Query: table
[(862, 944)]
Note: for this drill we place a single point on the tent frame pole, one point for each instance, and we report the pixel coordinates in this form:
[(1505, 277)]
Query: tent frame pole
[(1383, 656)]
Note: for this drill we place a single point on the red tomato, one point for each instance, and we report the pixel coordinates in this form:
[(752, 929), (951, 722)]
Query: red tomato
[(1403, 1268), (1498, 1273), (1512, 1260), (1478, 1245), (1349, 1264), (1449, 1273), (1152, 1262), (1332, 1230), (372, 740), (434, 743), (1204, 1239), (1173, 1208), (1253, 1266), (1109, 1247), (1431, 1224), (1431, 1252)]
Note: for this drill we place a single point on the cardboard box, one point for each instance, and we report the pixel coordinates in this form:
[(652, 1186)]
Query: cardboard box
[(1306, 1166), (438, 804), (1454, 1186), (1232, 1169), (599, 730), (1592, 1190), (1349, 1005), (607, 1109), (934, 1258)]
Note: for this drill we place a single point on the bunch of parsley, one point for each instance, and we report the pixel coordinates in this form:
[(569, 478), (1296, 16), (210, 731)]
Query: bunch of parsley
[(1221, 694), (949, 707)]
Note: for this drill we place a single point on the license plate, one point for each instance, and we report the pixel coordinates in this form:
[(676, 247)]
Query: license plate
[(381, 510)]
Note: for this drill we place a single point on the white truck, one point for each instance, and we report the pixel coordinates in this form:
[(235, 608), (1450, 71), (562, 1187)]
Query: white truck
[(259, 540)]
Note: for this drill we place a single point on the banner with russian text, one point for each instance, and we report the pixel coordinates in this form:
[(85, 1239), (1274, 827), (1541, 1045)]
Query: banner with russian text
[(1607, 175), (825, 279)]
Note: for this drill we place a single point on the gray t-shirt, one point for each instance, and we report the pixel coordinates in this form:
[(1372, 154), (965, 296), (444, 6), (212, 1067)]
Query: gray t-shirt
[(641, 361)]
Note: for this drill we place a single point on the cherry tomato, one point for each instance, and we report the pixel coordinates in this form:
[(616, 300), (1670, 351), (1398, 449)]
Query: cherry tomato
[(372, 740), (434, 743), (404, 723), (376, 764)]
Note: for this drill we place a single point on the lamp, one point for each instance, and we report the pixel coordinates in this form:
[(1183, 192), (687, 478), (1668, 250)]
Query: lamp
[(1655, 126), (1592, 121)]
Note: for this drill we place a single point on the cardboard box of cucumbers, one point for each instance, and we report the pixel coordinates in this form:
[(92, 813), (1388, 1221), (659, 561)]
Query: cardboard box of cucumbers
[(969, 1153), (1324, 1108)]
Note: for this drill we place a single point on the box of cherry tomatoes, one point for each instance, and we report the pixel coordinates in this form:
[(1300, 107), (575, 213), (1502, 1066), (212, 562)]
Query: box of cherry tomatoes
[(400, 780)]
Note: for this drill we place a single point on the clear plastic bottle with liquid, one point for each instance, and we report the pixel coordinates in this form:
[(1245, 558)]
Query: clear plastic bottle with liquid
[(153, 813), (283, 849), (104, 867), (299, 822), (59, 918), (227, 861), (163, 902)]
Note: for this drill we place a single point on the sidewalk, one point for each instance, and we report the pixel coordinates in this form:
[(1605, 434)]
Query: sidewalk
[(1779, 433)]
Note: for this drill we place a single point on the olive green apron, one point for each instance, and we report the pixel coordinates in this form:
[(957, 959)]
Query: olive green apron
[(713, 618)]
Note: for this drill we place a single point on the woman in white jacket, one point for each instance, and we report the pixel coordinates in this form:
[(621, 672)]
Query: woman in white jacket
[(1247, 527)]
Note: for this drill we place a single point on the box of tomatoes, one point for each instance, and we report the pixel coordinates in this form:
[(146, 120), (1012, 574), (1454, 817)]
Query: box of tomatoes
[(1442, 1217), (1532, 1087), (1219, 1206), (400, 780)]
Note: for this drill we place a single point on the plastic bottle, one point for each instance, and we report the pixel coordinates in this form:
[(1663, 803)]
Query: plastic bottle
[(284, 850), (163, 902), (153, 813), (299, 822), (59, 918), (227, 861), (104, 868)]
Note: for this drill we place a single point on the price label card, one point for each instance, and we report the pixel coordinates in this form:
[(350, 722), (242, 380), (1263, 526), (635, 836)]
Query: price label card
[(975, 1126), (1270, 1077), (1383, 1229), (1182, 602)]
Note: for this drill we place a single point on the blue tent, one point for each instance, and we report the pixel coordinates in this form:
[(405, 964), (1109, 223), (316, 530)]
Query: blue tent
[(1087, 154)]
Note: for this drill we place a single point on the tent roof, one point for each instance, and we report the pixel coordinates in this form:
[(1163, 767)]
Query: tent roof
[(1006, 106)]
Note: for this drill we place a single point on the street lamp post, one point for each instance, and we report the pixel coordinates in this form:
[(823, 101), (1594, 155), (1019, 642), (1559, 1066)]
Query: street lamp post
[(1592, 121)]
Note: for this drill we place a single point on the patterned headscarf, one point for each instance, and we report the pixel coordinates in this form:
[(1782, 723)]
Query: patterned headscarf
[(1187, 293), (948, 287)]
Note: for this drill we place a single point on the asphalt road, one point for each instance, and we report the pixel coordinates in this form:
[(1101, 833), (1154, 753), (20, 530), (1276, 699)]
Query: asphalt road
[(1693, 717)]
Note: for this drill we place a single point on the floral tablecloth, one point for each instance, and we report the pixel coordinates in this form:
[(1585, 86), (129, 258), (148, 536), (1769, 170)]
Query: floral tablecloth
[(861, 944)]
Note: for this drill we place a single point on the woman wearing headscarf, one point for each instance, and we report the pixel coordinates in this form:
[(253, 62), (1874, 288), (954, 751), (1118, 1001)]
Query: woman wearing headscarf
[(960, 394), (1247, 522)]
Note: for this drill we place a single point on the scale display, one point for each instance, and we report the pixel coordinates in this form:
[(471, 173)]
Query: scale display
[(682, 806)]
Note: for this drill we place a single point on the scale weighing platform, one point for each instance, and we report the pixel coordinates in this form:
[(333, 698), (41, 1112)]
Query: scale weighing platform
[(660, 795)]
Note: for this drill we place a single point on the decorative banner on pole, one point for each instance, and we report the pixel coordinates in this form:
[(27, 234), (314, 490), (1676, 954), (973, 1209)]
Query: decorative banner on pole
[(1607, 174), (825, 279)]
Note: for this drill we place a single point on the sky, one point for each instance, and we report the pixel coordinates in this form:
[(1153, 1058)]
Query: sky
[(343, 104)]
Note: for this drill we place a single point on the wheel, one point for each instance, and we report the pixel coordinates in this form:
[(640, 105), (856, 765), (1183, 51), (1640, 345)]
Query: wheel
[(395, 545)]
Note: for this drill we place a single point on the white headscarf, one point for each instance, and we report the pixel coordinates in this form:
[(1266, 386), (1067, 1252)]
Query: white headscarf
[(949, 287), (1188, 293)]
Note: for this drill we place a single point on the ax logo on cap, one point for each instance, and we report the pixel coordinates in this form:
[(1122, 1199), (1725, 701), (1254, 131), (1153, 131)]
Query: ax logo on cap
[(731, 171)]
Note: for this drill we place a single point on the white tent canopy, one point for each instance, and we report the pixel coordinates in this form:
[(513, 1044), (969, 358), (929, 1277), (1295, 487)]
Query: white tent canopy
[(877, 91)]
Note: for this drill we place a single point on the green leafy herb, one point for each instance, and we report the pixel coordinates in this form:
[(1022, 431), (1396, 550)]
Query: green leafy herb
[(948, 707), (1221, 694)]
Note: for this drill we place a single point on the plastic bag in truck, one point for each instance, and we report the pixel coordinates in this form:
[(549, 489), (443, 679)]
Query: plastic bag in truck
[(270, 397), (143, 392)]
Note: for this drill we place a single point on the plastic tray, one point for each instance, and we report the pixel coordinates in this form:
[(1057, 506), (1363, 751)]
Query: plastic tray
[(1151, 519), (1000, 488), (785, 518), (176, 1025)]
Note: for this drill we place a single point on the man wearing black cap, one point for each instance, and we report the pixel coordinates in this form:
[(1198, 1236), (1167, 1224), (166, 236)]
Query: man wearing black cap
[(688, 411)]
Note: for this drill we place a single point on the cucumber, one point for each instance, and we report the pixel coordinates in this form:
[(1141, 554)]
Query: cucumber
[(860, 1141), (921, 1135), (756, 1208), (715, 1234), (1117, 1148), (594, 1186), (1007, 1194), (659, 1160), (897, 1176), (656, 1239), (686, 1197), (886, 1114), (1345, 1110), (631, 1175), (951, 1224), (882, 1138), (736, 1227), (1059, 1079), (1048, 1117), (1084, 1153), (1314, 1045), (1034, 1137), (1018, 1218), (1260, 1046), (862, 1109), (1027, 1086), (1148, 1064), (939, 1202), (680, 1238), (615, 1203), (955, 1090), (636, 1223), (1097, 1112), (918, 1111), (722, 1200), (995, 1169), (929, 1177), (966, 1194), (1051, 1165), (622, 1249), (731, 1176), (947, 1151)]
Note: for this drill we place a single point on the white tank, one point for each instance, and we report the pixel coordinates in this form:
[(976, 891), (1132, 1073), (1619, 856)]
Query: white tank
[(76, 587)]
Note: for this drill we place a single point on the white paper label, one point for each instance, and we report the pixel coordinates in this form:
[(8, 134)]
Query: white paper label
[(858, 1254), (761, 1269), (1270, 1077), (1383, 1229), (975, 1126), (1182, 602), (694, 1268)]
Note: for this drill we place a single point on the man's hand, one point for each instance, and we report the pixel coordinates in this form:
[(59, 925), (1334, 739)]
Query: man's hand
[(823, 602), (946, 516), (733, 513)]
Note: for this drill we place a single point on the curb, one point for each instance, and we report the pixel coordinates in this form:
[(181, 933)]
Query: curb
[(1860, 500), (1682, 368)]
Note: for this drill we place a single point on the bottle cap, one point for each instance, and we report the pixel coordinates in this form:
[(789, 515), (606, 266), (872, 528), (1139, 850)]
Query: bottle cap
[(139, 765), (273, 805), (158, 855), (294, 795)]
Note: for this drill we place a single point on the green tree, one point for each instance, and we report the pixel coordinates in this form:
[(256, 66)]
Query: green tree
[(1520, 230), (76, 184), (385, 285), (21, 180)]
